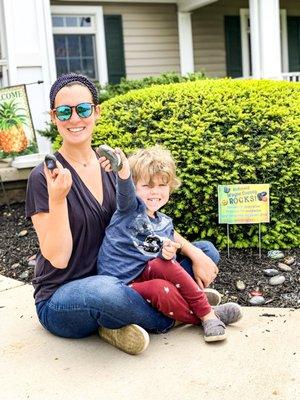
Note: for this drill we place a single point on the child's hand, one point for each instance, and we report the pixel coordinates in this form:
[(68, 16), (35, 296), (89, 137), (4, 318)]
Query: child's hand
[(124, 172), (169, 249)]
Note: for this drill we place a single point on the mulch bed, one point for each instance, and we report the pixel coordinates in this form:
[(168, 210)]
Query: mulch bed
[(19, 244)]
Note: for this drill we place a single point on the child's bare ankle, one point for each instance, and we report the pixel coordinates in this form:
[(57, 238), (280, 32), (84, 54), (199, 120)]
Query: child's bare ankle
[(210, 315)]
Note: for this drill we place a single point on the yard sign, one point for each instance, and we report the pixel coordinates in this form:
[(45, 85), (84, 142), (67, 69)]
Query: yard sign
[(244, 204)]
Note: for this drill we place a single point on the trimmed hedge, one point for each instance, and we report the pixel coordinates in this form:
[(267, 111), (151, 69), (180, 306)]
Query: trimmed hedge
[(220, 132)]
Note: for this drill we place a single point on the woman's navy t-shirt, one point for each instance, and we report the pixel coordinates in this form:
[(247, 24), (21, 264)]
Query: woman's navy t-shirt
[(88, 221)]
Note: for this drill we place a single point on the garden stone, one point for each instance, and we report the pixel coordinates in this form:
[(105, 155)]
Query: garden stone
[(240, 285), (257, 301), (277, 280), (16, 265), (24, 275), (284, 267), (275, 254), (271, 272), (31, 263), (23, 233), (289, 260)]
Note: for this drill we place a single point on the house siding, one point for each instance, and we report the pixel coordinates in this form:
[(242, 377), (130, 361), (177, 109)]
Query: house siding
[(209, 37), (151, 40), (208, 32), (292, 7)]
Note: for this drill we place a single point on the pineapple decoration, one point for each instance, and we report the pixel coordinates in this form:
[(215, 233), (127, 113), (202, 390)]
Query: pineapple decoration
[(12, 135)]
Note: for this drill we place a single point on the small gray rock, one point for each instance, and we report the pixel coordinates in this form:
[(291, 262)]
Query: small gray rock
[(257, 301), (31, 263), (24, 275), (271, 272), (23, 233), (277, 280), (240, 285), (16, 265), (284, 267)]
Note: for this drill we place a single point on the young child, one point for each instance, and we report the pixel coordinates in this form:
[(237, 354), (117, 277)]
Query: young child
[(138, 234)]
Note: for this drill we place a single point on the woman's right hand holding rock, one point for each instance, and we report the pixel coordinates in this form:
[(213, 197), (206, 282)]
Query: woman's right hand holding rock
[(59, 182)]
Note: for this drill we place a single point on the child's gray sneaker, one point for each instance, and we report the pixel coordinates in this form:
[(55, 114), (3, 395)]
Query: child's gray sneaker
[(229, 313), (213, 296), (214, 330), (130, 338)]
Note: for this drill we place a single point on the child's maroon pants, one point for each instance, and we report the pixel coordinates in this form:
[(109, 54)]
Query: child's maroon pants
[(170, 289)]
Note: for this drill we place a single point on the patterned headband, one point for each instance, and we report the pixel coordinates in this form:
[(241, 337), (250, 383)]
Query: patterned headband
[(63, 80)]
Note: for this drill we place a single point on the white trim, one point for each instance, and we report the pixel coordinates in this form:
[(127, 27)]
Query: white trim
[(185, 43), (3, 59), (255, 38), (96, 12), (284, 42), (244, 15), (190, 5), (10, 48)]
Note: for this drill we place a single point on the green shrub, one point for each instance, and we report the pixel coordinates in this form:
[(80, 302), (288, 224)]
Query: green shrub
[(111, 90), (220, 132)]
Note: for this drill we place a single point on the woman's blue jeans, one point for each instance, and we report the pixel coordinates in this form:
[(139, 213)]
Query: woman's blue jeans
[(79, 307)]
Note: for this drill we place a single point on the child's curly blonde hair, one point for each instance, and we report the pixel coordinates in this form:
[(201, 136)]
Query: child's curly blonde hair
[(153, 161)]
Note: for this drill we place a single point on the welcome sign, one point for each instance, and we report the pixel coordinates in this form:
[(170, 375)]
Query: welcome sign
[(244, 204), (16, 129)]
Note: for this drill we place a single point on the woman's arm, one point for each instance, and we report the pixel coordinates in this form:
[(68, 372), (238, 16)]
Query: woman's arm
[(53, 228), (205, 270)]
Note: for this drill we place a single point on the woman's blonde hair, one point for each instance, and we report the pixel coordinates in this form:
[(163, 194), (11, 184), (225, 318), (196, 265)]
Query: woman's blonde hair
[(155, 160)]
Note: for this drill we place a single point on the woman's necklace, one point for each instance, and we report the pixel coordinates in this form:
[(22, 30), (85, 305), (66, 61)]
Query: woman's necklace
[(84, 164)]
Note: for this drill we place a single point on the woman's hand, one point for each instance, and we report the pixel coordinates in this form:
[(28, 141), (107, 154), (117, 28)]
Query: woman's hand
[(59, 182), (169, 249), (205, 270)]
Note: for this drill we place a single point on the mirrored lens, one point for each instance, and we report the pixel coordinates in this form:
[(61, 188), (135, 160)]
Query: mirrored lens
[(63, 113), (84, 110)]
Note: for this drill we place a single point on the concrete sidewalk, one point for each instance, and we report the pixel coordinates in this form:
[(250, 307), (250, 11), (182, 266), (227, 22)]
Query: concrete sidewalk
[(258, 361)]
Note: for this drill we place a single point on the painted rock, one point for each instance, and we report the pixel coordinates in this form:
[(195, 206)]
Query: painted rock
[(289, 260), (271, 272), (277, 280), (275, 254), (284, 267), (257, 301), (256, 293)]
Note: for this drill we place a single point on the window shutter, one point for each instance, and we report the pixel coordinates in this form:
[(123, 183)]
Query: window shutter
[(233, 46), (293, 25), (114, 48)]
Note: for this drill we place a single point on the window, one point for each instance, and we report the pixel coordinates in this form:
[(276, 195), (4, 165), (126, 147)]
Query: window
[(79, 43)]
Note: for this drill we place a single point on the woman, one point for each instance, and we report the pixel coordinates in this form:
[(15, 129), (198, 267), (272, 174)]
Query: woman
[(70, 208)]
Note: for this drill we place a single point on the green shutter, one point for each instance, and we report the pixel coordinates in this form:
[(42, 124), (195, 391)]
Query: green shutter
[(293, 24), (114, 48), (233, 46)]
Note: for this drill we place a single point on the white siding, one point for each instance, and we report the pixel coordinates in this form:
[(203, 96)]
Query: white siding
[(150, 38)]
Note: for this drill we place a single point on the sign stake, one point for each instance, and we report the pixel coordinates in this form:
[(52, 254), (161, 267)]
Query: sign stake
[(228, 253), (259, 240)]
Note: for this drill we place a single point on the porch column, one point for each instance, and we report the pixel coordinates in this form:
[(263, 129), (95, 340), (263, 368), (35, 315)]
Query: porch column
[(185, 42), (265, 38)]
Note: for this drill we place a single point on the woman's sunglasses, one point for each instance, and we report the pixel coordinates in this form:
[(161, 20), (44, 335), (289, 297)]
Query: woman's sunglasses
[(83, 110)]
